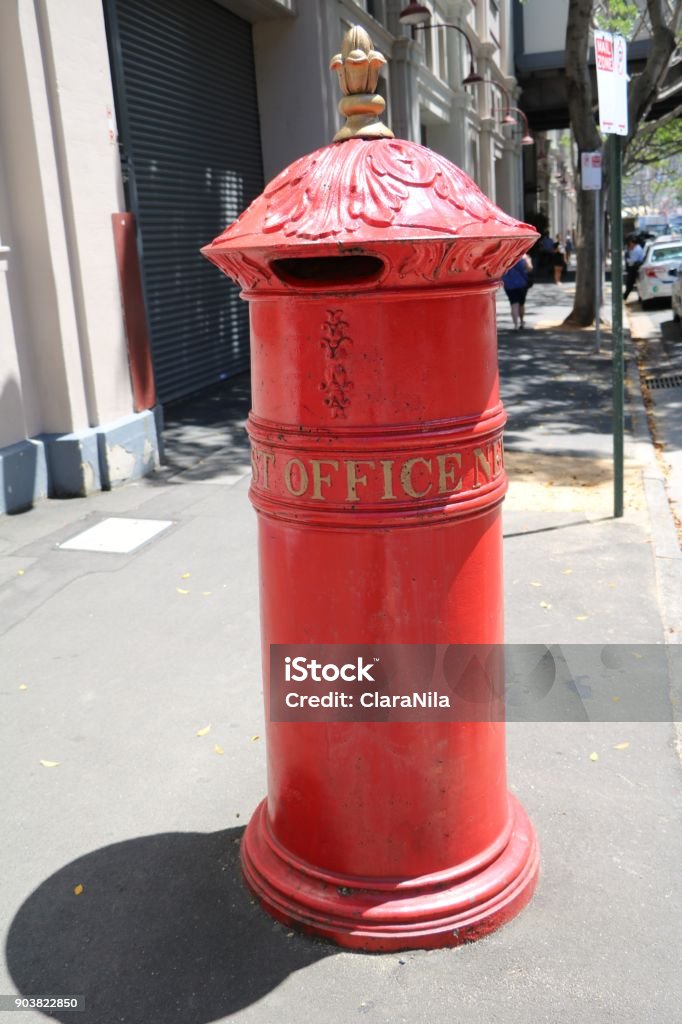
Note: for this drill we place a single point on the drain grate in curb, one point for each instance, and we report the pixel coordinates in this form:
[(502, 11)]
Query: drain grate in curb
[(670, 380)]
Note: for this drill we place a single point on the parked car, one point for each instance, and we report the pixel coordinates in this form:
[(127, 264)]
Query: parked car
[(654, 280), (676, 294)]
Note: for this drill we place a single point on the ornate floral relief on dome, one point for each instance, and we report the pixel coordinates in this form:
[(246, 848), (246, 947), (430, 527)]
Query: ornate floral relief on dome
[(490, 257), (423, 261), (341, 188), (246, 272), (436, 261)]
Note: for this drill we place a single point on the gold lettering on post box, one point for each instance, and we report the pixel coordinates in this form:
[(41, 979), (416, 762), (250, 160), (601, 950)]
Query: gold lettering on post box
[(373, 480), (406, 477), (498, 456), (296, 492), (387, 467), (446, 474), (488, 462), (352, 476), (318, 479), (481, 462), (267, 460)]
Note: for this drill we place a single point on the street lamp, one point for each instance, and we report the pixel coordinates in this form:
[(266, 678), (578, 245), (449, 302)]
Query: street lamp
[(526, 139), (417, 16), (508, 118)]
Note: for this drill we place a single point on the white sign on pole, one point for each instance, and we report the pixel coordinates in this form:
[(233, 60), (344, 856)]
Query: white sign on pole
[(590, 172), (610, 52)]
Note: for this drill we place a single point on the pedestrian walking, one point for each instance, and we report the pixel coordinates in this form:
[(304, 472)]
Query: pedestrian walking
[(516, 283), (558, 262), (634, 257), (544, 251)]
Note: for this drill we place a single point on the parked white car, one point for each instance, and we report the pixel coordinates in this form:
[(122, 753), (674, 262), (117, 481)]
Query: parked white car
[(676, 295), (654, 280)]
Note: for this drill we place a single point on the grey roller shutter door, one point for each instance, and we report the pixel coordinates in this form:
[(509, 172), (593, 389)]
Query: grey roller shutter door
[(188, 119)]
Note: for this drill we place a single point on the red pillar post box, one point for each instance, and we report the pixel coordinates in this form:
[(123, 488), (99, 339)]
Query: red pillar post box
[(370, 267)]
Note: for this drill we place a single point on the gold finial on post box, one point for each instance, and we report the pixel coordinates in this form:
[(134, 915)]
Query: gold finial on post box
[(358, 67)]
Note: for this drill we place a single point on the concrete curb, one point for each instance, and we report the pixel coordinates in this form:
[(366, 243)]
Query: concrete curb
[(665, 546)]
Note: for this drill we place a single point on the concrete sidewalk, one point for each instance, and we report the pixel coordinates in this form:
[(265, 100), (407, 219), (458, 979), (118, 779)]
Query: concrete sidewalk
[(113, 664)]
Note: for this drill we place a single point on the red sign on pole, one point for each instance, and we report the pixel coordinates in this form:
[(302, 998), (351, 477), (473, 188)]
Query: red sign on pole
[(603, 51), (590, 166), (610, 53)]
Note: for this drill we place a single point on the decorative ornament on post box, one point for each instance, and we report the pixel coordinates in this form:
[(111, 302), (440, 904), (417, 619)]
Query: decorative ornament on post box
[(371, 267)]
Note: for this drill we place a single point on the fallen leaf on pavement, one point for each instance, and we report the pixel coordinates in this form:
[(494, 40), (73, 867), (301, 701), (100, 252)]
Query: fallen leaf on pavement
[(181, 591), (23, 686), (621, 746), (206, 593), (567, 572), (204, 731), (254, 738), (581, 618), (50, 764), (594, 756), (185, 576), (218, 750), (20, 572), (78, 889), (543, 604), (535, 583)]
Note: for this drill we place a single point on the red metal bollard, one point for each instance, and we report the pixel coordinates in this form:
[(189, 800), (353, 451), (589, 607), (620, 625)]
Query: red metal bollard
[(371, 267)]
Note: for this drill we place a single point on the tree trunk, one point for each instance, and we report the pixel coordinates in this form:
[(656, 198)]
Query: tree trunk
[(580, 100), (641, 95), (582, 314)]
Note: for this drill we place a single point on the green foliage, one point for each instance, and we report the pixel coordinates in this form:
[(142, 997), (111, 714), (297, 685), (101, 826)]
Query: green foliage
[(653, 166), (655, 143), (616, 16)]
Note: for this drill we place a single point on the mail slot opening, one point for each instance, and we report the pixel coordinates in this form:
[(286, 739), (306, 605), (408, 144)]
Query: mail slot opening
[(324, 271)]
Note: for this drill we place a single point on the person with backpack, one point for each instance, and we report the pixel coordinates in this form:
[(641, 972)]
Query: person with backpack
[(516, 283)]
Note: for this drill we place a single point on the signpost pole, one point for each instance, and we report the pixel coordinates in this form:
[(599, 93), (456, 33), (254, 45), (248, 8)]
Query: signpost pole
[(615, 193), (610, 53), (597, 271), (591, 180)]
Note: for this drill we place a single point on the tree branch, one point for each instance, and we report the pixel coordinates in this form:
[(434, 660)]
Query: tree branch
[(644, 88), (666, 93)]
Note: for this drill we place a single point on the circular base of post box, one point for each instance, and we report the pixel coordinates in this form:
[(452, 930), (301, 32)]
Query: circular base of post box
[(389, 914)]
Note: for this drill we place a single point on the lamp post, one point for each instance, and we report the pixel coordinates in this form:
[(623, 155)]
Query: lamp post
[(508, 118), (417, 17), (526, 139)]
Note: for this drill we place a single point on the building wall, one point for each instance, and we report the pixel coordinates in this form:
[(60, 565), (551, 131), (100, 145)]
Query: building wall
[(553, 193), (64, 375), (544, 25), (422, 83)]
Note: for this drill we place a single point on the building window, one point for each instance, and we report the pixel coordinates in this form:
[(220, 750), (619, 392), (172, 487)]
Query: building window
[(376, 9)]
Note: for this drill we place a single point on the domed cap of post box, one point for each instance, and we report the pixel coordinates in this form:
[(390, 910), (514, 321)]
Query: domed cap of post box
[(368, 210)]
